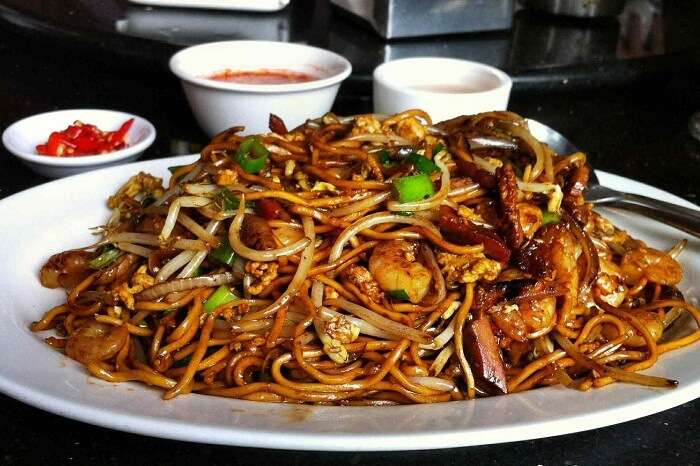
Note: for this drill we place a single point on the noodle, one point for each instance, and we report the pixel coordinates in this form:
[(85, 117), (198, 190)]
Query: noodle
[(298, 276)]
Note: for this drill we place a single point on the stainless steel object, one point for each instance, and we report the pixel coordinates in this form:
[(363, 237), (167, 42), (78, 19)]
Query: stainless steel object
[(683, 218), (579, 8), (414, 18)]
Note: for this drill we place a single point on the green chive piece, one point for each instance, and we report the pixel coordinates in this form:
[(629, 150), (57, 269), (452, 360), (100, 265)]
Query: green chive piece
[(224, 253), (107, 257), (422, 164), (385, 157), (227, 200), (550, 217), (221, 296), (399, 294)]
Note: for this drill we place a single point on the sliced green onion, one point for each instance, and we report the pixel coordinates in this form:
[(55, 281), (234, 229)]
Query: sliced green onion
[(550, 217), (422, 164), (438, 148), (147, 200), (413, 188), (222, 295), (106, 258), (227, 199), (224, 253), (251, 145), (399, 294), (385, 157)]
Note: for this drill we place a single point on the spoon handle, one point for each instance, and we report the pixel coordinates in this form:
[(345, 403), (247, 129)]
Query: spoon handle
[(683, 218)]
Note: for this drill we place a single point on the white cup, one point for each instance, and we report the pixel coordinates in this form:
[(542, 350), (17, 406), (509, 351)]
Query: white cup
[(443, 87)]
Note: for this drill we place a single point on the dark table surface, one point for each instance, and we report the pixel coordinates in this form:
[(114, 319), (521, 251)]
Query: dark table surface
[(635, 126)]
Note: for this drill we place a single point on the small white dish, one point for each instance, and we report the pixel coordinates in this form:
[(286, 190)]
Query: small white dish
[(218, 105), (444, 87), (22, 137)]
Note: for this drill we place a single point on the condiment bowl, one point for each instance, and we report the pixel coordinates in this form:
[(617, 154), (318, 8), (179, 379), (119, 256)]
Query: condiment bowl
[(218, 105), (22, 137), (444, 87)]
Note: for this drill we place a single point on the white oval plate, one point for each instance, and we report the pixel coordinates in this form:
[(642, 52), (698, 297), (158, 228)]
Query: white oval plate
[(56, 216)]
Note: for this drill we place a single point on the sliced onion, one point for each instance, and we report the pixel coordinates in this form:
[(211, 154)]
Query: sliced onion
[(481, 142), (431, 202), (436, 383), (535, 146), (200, 189), (467, 188), (132, 237), (381, 322), (176, 189), (439, 280), (174, 211), (372, 220), (134, 249), (241, 249), (317, 294), (365, 327), (173, 265), (379, 138), (307, 258), (360, 205), (442, 339), (184, 284), (441, 359), (615, 373), (197, 229)]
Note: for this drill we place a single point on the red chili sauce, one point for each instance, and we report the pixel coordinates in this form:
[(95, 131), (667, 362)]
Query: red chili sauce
[(263, 76), (84, 139)]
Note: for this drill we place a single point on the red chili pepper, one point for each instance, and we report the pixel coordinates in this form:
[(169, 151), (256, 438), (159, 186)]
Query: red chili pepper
[(120, 134), (84, 139)]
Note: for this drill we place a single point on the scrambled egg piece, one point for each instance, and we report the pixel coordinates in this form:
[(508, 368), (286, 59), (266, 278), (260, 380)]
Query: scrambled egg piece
[(363, 279), (468, 268), (263, 272), (139, 282), (366, 124), (411, 129), (334, 335), (226, 177), (141, 183)]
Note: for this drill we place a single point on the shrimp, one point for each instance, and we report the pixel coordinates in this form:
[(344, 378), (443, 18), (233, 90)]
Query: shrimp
[(610, 283), (649, 263), (95, 341), (393, 264), (538, 314)]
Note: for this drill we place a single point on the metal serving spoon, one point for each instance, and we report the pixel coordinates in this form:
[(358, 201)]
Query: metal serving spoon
[(680, 217)]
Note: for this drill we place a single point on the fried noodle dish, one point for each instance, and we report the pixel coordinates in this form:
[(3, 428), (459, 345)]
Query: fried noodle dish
[(367, 260)]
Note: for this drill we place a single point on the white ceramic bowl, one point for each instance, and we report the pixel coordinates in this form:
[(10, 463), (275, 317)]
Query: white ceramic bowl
[(22, 137), (218, 105), (443, 87)]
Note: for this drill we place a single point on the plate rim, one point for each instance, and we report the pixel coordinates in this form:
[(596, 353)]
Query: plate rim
[(197, 431)]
